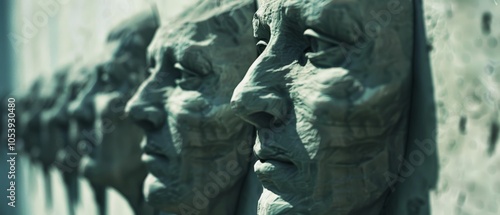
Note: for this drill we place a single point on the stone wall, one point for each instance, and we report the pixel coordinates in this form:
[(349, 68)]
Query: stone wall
[(463, 38)]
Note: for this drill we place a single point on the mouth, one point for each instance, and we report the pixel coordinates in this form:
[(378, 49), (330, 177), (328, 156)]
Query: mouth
[(272, 156), (276, 175), (276, 170), (156, 161), (273, 166), (151, 149), (148, 158)]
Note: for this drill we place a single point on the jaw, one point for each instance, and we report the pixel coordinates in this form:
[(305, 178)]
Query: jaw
[(116, 158), (131, 188), (129, 184), (271, 203), (178, 197)]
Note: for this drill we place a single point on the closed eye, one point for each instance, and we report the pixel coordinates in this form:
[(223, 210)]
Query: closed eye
[(189, 80), (261, 46), (320, 42), (325, 52), (186, 72), (152, 62)]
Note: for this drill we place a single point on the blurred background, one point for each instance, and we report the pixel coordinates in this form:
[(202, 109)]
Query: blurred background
[(39, 36)]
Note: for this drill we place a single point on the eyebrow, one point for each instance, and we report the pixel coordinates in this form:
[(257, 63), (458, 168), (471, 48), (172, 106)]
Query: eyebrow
[(342, 20), (196, 60)]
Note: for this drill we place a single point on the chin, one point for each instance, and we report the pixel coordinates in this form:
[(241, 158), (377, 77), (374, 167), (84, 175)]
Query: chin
[(89, 170), (94, 172), (160, 196), (272, 204)]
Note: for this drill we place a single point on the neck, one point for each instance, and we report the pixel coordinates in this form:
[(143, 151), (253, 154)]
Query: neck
[(131, 190)]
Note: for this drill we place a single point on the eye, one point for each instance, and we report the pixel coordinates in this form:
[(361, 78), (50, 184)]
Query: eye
[(325, 51), (189, 80), (150, 65), (152, 62), (186, 73), (320, 42), (106, 81), (261, 46), (103, 76)]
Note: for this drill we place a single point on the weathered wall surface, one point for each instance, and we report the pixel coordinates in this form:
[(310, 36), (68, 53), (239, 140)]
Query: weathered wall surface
[(464, 38)]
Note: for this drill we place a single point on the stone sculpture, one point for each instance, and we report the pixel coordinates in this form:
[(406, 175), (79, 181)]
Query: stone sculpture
[(197, 151), (53, 125), (82, 138), (33, 104), (60, 134), (54, 137), (117, 73), (28, 129), (329, 95)]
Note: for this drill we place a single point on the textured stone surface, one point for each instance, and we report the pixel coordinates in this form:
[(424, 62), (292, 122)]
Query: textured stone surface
[(115, 75), (329, 95), (451, 162), (197, 150)]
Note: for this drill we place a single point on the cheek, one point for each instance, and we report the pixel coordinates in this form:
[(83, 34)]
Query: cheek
[(230, 164), (182, 103)]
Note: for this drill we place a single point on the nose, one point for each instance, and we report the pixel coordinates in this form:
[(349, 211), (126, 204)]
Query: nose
[(145, 108), (59, 115), (81, 109), (260, 98)]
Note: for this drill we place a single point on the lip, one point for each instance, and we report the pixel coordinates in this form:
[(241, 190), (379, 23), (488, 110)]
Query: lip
[(276, 175), (269, 166), (276, 170), (272, 166), (148, 158), (272, 156), (156, 163), (153, 150)]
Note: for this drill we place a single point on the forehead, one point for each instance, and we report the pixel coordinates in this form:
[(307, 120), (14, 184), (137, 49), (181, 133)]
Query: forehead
[(346, 20), (217, 27), (310, 11), (322, 15)]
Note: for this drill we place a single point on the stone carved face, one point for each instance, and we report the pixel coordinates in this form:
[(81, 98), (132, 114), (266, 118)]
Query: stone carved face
[(81, 133), (29, 128), (53, 121), (57, 122), (116, 74), (197, 150), (37, 104), (329, 95)]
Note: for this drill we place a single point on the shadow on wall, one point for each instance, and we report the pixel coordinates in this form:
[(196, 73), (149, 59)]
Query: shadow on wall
[(419, 173)]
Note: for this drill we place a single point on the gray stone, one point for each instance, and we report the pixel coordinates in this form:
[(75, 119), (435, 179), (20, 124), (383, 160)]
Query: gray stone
[(198, 151), (114, 159), (330, 96), (29, 128)]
